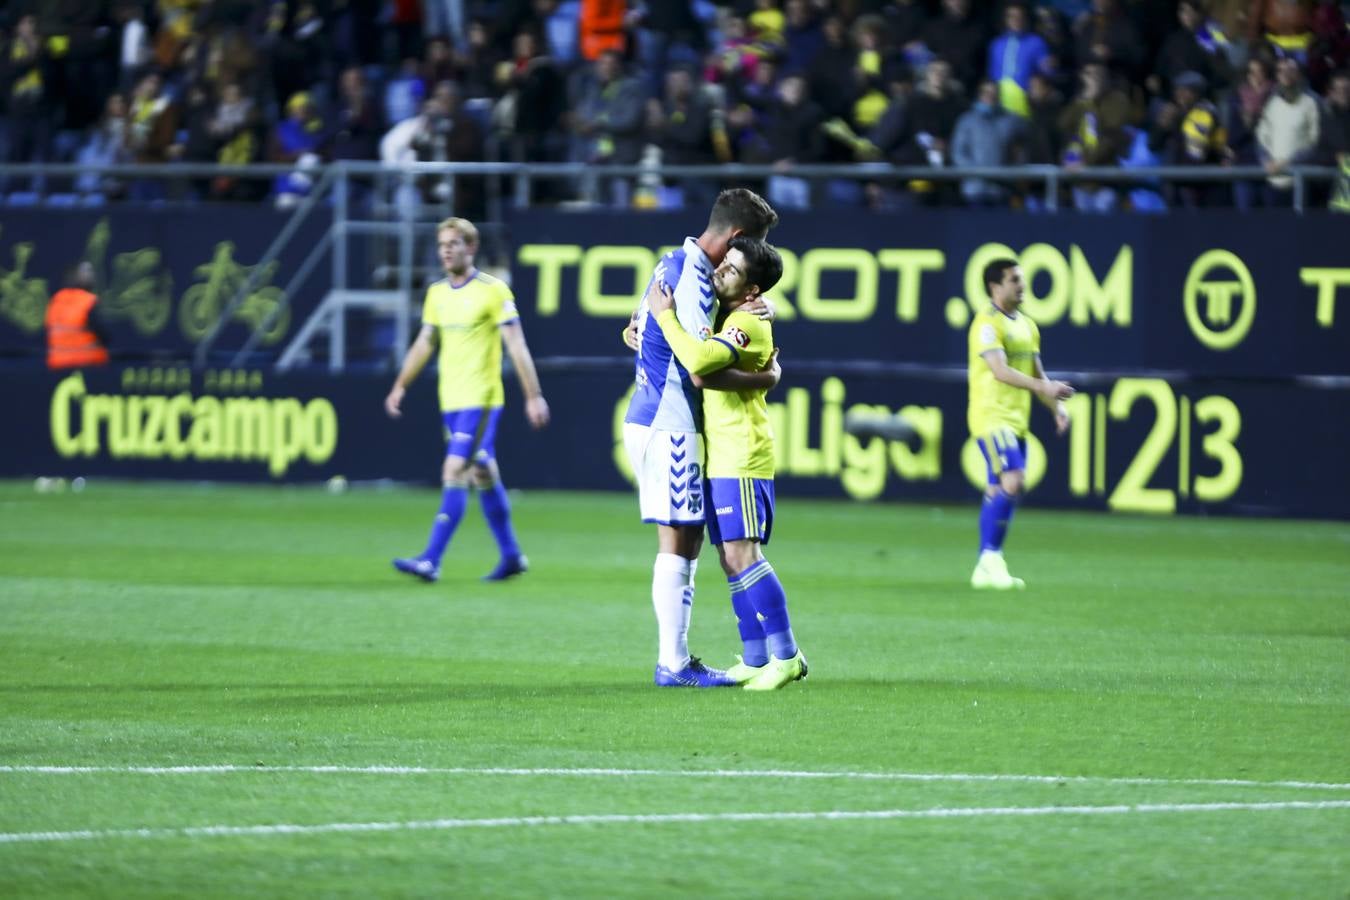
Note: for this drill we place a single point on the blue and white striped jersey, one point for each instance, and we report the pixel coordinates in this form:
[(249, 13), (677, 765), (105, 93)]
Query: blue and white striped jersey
[(665, 398)]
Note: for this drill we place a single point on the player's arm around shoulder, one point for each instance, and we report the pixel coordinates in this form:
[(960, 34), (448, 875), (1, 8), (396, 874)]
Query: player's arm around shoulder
[(422, 348), (699, 357)]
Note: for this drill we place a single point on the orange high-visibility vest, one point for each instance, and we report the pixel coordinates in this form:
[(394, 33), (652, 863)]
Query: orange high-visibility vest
[(601, 26), (70, 343)]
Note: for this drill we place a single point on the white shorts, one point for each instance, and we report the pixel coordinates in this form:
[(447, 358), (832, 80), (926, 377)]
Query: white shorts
[(668, 468)]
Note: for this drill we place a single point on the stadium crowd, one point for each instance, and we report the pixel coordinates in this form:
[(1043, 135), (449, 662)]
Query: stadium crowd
[(1133, 83)]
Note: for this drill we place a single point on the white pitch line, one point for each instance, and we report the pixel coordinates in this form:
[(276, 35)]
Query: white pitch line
[(31, 837), (667, 773)]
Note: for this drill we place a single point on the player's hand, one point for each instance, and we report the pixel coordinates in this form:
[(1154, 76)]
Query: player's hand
[(761, 308), (393, 401), (661, 298), (536, 412), (773, 368), (1054, 391), (630, 333), (1061, 419)]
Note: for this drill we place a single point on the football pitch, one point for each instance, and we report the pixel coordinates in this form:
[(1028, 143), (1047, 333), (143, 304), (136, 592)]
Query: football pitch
[(226, 691)]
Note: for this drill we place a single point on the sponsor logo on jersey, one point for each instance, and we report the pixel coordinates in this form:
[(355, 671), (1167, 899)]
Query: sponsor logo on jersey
[(738, 337), (724, 510)]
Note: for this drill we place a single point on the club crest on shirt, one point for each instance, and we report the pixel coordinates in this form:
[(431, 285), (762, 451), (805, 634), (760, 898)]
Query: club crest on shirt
[(738, 337), (987, 335)]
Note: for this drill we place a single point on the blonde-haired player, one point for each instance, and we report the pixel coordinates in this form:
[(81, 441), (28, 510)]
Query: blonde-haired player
[(470, 315)]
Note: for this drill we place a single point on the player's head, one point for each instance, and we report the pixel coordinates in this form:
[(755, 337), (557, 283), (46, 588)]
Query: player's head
[(751, 268), (1003, 281), (456, 243), (737, 211)]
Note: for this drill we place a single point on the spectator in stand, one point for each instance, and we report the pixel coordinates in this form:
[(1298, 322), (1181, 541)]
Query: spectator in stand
[(680, 123), (1335, 142), (934, 111), (803, 36), (438, 61), (749, 102), (892, 129), (608, 122), (1093, 126), (449, 135), (1195, 46), (355, 130), (30, 107), (234, 128), (152, 121), (1059, 60), (1013, 58), (1040, 141), (959, 39), (1041, 144), (479, 64), (404, 93), (105, 146), (535, 99), (194, 142), (792, 134), (1288, 131), (296, 139), (984, 137), (1188, 132), (830, 78), (1105, 35), (1245, 106)]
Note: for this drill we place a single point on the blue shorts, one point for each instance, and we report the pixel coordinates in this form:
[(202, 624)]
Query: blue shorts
[(1004, 451), (472, 433), (742, 509)]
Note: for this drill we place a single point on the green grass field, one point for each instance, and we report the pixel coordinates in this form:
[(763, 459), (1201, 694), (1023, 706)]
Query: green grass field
[(1175, 694)]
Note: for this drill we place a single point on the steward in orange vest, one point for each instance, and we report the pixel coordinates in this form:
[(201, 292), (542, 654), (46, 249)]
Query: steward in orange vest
[(74, 339)]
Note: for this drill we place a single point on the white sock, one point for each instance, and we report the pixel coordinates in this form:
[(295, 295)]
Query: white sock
[(670, 588)]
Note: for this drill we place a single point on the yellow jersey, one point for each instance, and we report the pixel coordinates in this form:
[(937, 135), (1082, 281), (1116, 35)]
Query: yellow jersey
[(468, 322), (993, 404), (736, 427)]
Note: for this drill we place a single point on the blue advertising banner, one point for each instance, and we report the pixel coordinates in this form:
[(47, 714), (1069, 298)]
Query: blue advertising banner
[(164, 275), (1210, 293), (1136, 445)]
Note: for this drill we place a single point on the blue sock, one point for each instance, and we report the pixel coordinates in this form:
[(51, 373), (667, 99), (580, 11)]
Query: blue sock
[(765, 592), (453, 500), (497, 511), (755, 650), (995, 517)]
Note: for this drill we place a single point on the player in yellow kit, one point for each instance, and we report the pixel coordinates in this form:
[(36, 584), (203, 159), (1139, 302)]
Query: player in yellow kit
[(470, 315), (740, 465), (1005, 370)]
